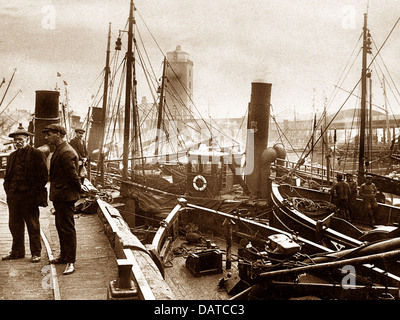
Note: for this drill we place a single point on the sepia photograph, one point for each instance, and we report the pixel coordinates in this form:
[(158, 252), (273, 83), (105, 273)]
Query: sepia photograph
[(200, 154)]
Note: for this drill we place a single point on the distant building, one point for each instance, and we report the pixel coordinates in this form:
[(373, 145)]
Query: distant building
[(179, 88)]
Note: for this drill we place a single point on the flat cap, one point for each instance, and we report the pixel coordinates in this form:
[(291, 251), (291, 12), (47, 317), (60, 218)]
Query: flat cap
[(20, 131), (55, 127), (80, 130)]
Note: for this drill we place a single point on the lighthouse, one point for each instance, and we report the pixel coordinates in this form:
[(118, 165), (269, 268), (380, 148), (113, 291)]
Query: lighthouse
[(179, 89)]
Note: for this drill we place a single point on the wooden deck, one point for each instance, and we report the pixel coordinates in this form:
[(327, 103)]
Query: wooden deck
[(184, 284), (94, 269)]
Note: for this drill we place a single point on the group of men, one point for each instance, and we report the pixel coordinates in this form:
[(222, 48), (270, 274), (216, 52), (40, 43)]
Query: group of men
[(25, 182), (344, 194)]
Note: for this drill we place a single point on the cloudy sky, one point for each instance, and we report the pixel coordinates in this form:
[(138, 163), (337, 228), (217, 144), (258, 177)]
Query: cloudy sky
[(300, 46)]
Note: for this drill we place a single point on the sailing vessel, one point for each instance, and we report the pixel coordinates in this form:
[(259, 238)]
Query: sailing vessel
[(174, 242), (363, 157), (360, 154), (308, 209)]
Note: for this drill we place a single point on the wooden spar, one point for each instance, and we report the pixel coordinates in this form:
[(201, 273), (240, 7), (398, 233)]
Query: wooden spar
[(391, 255), (5, 108), (129, 60), (135, 112), (363, 104), (387, 136), (8, 86), (328, 155), (160, 108), (370, 123), (104, 110)]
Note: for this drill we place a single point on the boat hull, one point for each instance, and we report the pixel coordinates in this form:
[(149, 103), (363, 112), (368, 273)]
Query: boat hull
[(325, 229)]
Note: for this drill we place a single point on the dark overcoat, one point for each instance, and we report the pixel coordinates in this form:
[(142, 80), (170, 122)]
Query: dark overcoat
[(36, 173), (65, 183), (79, 146)]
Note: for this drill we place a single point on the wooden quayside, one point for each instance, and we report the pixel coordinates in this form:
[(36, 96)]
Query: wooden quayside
[(96, 265)]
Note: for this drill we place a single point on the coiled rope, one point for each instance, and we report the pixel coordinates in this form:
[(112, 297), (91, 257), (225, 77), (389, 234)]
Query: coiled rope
[(311, 207)]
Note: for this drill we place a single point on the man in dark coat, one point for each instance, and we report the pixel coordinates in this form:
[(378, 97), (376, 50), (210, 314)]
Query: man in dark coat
[(65, 187), (79, 144), (353, 195), (24, 181), (340, 192), (80, 147)]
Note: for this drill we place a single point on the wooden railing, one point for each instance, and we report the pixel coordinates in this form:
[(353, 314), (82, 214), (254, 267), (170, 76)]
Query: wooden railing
[(309, 170), (138, 275)]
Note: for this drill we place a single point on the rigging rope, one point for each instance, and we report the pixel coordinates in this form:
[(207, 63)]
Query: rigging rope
[(351, 93)]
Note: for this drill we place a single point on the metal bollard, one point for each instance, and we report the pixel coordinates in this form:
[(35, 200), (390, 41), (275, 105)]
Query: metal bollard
[(123, 288)]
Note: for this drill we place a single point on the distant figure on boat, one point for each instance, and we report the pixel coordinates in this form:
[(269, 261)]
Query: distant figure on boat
[(80, 147), (353, 194), (368, 193), (340, 193)]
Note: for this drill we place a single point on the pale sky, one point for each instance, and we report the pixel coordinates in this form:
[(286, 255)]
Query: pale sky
[(300, 46)]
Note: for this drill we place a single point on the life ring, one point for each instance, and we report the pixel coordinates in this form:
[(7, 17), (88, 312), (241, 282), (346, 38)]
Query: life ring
[(203, 181)]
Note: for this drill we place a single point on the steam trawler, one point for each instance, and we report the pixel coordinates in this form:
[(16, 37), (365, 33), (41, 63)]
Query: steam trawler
[(218, 233), (219, 238)]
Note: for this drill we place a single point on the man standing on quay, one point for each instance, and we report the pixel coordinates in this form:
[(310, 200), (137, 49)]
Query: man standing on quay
[(65, 186), (24, 181), (80, 147)]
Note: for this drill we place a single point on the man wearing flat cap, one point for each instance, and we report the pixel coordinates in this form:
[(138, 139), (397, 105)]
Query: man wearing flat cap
[(25, 179), (65, 187), (80, 147)]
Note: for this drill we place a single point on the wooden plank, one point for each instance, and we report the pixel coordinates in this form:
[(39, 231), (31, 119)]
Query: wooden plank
[(144, 270)]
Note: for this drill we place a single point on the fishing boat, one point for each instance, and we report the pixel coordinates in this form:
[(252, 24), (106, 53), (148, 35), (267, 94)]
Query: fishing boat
[(362, 151), (215, 238), (241, 258), (323, 178), (311, 213)]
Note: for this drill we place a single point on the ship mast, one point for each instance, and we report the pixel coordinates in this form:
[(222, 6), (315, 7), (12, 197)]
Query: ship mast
[(366, 49), (103, 115), (129, 63), (160, 108)]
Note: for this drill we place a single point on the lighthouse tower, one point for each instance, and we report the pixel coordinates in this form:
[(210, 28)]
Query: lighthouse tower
[(179, 93)]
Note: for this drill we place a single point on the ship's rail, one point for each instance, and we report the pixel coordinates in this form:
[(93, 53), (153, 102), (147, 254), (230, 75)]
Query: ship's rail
[(139, 276), (307, 170), (169, 226)]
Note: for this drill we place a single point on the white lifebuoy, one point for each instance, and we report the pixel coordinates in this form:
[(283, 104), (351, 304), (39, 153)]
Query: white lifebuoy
[(203, 180)]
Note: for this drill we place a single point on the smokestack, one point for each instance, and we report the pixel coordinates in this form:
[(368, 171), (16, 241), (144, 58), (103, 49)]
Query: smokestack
[(95, 131), (257, 134), (46, 112)]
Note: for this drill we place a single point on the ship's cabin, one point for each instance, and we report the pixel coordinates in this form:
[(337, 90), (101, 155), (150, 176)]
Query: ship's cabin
[(209, 173)]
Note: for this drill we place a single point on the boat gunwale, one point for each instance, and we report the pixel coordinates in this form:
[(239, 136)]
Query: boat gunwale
[(309, 223)]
